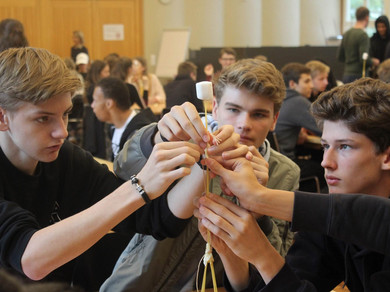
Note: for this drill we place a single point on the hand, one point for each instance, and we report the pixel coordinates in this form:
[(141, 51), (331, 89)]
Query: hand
[(224, 139), (303, 133), (259, 164), (375, 61), (168, 162), (238, 229), (234, 228), (239, 178), (208, 70), (183, 123)]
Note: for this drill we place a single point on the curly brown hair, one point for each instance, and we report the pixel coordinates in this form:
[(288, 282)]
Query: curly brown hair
[(363, 105)]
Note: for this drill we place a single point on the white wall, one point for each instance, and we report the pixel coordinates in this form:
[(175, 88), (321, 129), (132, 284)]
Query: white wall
[(241, 23)]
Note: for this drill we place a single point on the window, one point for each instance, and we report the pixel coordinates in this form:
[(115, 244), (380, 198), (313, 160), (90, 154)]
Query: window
[(376, 8)]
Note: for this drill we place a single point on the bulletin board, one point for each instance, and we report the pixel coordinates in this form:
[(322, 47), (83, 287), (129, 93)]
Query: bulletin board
[(173, 51)]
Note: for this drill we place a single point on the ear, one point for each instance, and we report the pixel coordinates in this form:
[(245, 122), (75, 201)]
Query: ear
[(109, 103), (3, 120), (274, 122), (291, 84), (215, 109), (386, 159)]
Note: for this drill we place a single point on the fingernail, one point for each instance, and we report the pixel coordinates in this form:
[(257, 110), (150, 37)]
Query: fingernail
[(206, 138)]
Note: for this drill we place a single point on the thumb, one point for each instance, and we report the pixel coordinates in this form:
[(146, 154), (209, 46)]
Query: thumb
[(216, 167)]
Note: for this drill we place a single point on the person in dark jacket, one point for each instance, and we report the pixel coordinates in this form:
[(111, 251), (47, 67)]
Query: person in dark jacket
[(356, 141), (182, 88), (112, 104), (380, 39)]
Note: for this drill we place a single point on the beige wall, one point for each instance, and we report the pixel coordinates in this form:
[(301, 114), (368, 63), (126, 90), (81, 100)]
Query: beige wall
[(241, 23)]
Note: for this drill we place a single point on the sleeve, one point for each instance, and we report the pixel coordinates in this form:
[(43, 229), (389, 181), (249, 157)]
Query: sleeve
[(306, 119), (285, 280), (325, 269), (16, 228), (356, 219), (364, 47), (135, 152), (155, 218)]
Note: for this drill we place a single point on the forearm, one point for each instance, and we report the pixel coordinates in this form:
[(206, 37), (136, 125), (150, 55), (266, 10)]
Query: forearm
[(236, 270), (181, 196), (274, 203), (55, 245), (268, 262)]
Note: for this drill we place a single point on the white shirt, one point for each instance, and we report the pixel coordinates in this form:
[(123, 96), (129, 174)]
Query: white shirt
[(118, 132)]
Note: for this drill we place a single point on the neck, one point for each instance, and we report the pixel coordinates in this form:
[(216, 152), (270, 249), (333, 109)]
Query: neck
[(16, 156), (120, 118), (360, 25)]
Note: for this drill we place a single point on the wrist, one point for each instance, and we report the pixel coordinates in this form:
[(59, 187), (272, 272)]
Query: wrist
[(140, 189)]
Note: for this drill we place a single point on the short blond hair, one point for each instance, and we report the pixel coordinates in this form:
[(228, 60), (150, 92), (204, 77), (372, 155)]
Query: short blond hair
[(33, 75), (317, 67), (258, 77)]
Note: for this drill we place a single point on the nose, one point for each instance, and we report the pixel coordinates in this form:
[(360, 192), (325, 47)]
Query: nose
[(244, 122), (61, 129), (329, 159)]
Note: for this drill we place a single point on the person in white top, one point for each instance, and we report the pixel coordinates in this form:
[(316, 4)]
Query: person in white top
[(112, 104)]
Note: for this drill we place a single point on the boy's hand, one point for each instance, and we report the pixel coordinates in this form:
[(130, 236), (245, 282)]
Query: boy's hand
[(183, 123), (167, 163), (259, 164)]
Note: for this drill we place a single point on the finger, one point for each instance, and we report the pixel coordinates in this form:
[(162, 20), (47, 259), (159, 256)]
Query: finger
[(177, 173), (217, 168), (190, 122), (223, 133), (240, 151), (228, 144), (178, 147), (170, 128), (254, 151), (262, 177)]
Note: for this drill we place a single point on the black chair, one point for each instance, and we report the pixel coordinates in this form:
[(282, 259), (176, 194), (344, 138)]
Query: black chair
[(312, 180)]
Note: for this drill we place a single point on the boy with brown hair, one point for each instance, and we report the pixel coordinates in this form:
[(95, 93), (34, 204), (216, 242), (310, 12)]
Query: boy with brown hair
[(249, 95), (356, 141)]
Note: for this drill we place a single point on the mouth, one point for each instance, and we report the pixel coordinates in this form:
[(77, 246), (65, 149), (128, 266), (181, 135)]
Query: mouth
[(55, 147), (332, 180), (245, 140)]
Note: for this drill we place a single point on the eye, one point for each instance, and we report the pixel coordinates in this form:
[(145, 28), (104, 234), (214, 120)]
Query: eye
[(43, 119), (344, 147), (324, 146), (259, 115), (233, 110)]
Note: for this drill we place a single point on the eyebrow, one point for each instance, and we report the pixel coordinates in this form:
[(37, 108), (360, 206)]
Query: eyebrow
[(254, 110), (340, 140), (69, 109)]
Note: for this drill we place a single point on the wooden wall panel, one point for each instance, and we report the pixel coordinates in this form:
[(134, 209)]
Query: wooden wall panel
[(62, 18), (126, 12), (26, 11), (50, 23)]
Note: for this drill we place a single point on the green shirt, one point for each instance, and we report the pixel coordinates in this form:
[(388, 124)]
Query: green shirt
[(355, 42)]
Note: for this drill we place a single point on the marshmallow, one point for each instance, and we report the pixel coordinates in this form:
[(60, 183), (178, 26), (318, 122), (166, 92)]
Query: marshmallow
[(365, 56), (204, 90)]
